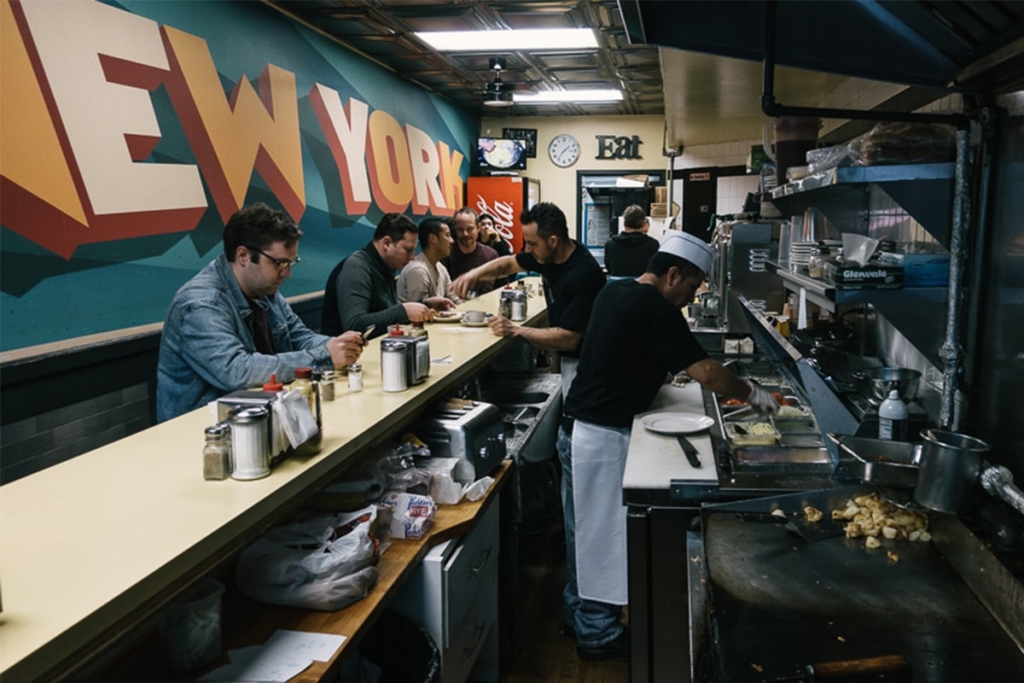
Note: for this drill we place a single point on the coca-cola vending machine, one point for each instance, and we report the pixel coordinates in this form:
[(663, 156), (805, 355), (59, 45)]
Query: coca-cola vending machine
[(504, 197)]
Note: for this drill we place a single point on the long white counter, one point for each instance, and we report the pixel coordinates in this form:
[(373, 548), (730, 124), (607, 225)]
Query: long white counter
[(93, 546)]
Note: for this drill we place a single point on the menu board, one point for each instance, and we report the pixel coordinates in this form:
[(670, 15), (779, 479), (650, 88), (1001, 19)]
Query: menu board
[(527, 135)]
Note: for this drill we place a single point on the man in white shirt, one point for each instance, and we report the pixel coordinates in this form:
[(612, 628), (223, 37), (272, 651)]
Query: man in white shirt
[(425, 279)]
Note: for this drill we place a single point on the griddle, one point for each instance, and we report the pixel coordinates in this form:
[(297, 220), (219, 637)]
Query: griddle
[(774, 602)]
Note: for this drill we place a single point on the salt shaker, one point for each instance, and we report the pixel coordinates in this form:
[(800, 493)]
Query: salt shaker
[(355, 377)]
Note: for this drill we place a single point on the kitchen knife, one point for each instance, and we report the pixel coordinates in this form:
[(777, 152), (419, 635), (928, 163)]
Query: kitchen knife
[(689, 449)]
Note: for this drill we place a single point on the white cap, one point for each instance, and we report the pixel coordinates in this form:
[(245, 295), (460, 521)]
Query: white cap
[(686, 246)]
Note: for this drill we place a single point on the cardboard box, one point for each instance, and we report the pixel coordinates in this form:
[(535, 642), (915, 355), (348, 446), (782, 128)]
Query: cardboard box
[(921, 270), (875, 275), (659, 210), (661, 194)]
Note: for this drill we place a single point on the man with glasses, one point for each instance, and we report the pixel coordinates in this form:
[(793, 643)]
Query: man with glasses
[(361, 290), (229, 328)]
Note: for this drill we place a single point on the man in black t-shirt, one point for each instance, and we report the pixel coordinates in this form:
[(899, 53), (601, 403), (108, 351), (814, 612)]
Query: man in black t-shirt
[(571, 276), (636, 337), (627, 253)]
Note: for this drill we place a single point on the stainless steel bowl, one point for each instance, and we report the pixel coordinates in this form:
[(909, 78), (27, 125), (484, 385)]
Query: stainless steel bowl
[(876, 383)]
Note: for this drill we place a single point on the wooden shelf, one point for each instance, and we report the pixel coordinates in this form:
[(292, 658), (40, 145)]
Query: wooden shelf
[(246, 622)]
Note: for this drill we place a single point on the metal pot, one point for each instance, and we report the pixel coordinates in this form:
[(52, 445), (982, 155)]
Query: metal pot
[(876, 383), (950, 464)]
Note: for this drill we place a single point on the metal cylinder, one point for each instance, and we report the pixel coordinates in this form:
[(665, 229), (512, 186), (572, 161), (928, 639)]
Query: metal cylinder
[(250, 446), (392, 365), (950, 465)]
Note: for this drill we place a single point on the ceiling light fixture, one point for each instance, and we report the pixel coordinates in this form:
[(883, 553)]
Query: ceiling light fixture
[(559, 96), (518, 39), (498, 93)]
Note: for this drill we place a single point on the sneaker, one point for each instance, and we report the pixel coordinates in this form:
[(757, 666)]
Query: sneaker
[(614, 649)]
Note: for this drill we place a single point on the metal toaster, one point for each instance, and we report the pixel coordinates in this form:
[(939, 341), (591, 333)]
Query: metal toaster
[(475, 432)]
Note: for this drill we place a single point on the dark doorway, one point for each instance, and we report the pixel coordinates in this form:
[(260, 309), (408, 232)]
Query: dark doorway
[(700, 197)]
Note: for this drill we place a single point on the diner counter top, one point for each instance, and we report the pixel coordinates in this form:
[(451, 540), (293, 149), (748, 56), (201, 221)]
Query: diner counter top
[(92, 547)]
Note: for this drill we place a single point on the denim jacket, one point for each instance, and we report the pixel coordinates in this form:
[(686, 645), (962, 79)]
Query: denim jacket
[(207, 348)]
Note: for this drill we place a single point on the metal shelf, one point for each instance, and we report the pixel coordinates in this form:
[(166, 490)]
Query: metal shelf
[(925, 191), (918, 312)]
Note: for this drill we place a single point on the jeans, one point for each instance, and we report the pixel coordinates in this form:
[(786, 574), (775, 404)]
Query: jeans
[(595, 623)]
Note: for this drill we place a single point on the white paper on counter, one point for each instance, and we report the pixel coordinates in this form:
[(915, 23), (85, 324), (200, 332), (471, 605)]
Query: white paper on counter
[(285, 655)]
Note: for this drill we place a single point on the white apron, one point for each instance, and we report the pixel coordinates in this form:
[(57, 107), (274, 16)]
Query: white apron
[(598, 462), (568, 375)]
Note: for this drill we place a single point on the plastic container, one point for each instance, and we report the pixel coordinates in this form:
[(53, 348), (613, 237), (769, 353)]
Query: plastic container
[(189, 631), (892, 418)]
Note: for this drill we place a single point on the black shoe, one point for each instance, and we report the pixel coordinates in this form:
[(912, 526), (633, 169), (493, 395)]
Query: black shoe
[(614, 649)]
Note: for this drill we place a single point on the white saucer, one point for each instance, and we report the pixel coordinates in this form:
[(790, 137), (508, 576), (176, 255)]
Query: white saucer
[(676, 423), (482, 323)]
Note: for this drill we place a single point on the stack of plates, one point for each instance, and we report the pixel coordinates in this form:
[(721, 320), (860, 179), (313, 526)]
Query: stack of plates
[(800, 253)]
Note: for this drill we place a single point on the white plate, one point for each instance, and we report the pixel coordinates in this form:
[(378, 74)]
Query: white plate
[(676, 423), (457, 317)]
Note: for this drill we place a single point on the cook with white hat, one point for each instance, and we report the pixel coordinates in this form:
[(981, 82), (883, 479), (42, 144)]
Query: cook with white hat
[(637, 337)]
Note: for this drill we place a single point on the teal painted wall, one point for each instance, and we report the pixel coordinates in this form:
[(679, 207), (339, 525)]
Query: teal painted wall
[(125, 282)]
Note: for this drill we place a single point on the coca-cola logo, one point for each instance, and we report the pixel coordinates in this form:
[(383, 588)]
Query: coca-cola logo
[(503, 214)]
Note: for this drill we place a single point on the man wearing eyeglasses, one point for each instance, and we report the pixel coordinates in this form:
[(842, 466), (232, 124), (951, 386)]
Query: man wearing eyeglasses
[(229, 328)]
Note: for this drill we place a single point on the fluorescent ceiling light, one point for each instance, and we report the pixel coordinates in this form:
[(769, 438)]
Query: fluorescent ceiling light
[(556, 96), (520, 39)]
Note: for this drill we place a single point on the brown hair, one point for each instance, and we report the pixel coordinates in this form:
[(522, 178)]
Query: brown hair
[(258, 226)]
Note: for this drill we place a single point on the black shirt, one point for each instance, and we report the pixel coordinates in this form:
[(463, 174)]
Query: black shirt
[(569, 288), (635, 337), (628, 253)]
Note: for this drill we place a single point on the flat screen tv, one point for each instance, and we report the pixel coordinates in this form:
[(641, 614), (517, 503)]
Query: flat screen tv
[(497, 154)]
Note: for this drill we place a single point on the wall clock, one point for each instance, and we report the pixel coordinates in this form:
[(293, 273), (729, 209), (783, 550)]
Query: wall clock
[(564, 150)]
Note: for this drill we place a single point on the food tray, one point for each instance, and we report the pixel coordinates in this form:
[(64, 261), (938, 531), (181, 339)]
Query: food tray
[(795, 425), (734, 431), (877, 461)]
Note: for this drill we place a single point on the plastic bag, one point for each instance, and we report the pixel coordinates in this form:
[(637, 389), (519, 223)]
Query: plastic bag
[(323, 563), (898, 142), (402, 474), (451, 480)]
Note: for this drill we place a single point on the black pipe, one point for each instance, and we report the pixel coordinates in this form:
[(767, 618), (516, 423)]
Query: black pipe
[(773, 109)]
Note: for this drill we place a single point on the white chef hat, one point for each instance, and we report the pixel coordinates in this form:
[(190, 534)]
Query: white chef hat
[(686, 246)]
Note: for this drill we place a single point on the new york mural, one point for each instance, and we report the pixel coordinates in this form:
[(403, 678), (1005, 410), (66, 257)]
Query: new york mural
[(131, 131)]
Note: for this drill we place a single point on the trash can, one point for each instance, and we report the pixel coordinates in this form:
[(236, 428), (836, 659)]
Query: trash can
[(404, 652)]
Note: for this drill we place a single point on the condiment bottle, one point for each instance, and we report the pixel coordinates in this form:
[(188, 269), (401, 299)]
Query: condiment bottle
[(217, 452), (273, 384), (892, 418), (355, 377), (304, 385)]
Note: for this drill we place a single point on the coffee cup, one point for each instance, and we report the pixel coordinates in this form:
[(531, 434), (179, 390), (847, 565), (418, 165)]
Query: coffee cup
[(474, 316)]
